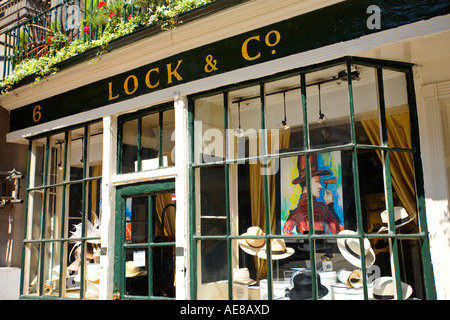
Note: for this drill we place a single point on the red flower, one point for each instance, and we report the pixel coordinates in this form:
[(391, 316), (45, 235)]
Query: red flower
[(86, 29), (111, 14), (49, 39), (101, 4), (129, 17)]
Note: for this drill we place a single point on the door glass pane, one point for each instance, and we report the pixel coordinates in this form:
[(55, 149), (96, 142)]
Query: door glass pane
[(164, 217), (163, 264), (136, 219), (136, 272)]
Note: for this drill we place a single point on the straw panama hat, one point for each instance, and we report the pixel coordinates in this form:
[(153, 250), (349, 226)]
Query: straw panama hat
[(401, 218), (350, 249), (279, 250), (132, 271), (242, 276), (252, 246), (384, 289)]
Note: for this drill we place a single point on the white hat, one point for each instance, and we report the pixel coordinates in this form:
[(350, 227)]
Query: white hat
[(252, 246), (242, 276), (350, 249), (401, 218), (279, 250), (384, 288)]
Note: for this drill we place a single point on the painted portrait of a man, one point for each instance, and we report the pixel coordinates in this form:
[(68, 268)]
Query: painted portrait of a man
[(326, 192)]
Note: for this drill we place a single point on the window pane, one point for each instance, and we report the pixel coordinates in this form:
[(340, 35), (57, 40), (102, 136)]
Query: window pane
[(244, 123), (95, 149), (163, 271), (53, 213), (164, 217), (76, 147), (403, 184), (34, 214), (56, 159), (212, 271), (372, 189), (366, 107), (209, 133), (284, 115), (211, 199), (37, 162), (328, 107), (136, 220), (129, 146), (31, 281), (51, 268), (168, 138), (248, 202), (150, 142), (136, 274), (397, 109)]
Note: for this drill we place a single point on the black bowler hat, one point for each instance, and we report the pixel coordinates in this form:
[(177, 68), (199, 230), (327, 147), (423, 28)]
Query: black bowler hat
[(302, 289)]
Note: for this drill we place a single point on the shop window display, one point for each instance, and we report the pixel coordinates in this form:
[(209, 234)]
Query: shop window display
[(62, 242), (319, 191)]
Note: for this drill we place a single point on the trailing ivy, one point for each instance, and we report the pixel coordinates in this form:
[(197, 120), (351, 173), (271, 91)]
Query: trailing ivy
[(113, 27)]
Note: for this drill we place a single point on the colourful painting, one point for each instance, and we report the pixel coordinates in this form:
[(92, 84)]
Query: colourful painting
[(326, 190)]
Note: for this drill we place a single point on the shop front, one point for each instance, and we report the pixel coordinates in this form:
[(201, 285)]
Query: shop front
[(283, 161)]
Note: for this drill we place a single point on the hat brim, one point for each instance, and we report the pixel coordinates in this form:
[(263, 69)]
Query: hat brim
[(248, 282), (248, 248), (307, 295), (406, 289), (315, 173), (276, 256), (402, 223), (355, 261)]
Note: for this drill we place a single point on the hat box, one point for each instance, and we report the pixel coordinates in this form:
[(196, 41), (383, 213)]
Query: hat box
[(278, 289)]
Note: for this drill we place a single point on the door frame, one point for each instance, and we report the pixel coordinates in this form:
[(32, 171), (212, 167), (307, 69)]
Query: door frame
[(122, 192)]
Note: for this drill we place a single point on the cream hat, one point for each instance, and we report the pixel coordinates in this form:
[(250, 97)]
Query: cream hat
[(384, 289), (279, 250), (132, 271), (350, 249), (352, 279), (401, 218), (252, 246), (242, 276)]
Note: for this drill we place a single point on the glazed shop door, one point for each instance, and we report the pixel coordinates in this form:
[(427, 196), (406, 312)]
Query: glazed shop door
[(145, 241)]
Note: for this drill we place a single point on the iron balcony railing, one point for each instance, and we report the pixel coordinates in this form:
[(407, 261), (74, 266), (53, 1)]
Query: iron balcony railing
[(55, 28)]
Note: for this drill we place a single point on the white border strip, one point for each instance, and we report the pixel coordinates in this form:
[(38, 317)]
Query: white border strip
[(351, 47)]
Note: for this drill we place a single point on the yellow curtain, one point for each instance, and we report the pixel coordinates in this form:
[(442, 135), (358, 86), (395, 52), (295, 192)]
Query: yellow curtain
[(162, 200), (401, 163), (257, 197)]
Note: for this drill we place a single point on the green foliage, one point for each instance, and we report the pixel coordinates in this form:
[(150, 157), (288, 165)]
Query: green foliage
[(140, 13)]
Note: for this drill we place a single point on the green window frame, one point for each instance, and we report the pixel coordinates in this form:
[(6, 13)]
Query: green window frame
[(137, 117), (353, 146), (49, 220)]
